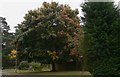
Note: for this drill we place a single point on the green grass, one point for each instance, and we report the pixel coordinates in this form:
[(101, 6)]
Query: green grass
[(56, 74)]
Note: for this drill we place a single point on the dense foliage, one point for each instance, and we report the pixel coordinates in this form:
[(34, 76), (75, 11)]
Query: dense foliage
[(49, 34), (102, 37), (7, 42)]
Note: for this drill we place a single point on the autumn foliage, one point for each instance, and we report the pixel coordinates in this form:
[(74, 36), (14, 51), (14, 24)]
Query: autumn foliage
[(53, 27)]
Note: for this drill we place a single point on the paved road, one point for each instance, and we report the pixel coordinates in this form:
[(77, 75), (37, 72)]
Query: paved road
[(22, 76), (45, 76)]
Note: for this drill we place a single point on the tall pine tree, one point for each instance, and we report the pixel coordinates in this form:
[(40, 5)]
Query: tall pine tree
[(102, 29)]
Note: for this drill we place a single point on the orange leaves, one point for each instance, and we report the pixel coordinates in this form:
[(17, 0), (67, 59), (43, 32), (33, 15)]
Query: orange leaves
[(73, 51), (62, 33), (72, 28), (70, 20), (75, 34)]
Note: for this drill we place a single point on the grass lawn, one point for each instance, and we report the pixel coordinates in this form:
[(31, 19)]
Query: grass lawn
[(52, 74)]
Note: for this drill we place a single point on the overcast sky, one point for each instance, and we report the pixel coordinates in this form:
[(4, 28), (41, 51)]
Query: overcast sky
[(15, 10)]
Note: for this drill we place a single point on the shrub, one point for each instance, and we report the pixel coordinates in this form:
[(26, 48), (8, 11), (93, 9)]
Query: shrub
[(7, 62), (24, 65), (35, 66)]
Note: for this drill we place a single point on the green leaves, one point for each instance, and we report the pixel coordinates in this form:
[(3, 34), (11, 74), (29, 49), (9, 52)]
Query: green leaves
[(47, 29), (7, 41), (100, 18)]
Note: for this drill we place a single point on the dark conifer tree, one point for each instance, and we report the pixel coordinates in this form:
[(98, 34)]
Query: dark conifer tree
[(102, 29)]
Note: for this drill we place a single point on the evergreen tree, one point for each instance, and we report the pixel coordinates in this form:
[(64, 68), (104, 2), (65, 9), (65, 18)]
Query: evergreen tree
[(7, 41), (102, 29)]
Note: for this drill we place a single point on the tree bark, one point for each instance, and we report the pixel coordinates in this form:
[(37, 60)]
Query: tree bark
[(53, 66)]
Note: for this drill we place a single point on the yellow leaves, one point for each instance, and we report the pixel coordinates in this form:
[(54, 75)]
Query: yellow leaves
[(13, 54), (53, 55)]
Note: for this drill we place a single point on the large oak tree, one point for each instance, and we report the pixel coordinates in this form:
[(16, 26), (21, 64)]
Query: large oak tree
[(49, 34)]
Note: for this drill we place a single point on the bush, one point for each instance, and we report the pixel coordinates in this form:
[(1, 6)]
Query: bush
[(24, 65), (7, 62), (35, 66)]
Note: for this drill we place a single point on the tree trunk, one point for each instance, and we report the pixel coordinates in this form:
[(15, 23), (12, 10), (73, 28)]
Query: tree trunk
[(53, 66)]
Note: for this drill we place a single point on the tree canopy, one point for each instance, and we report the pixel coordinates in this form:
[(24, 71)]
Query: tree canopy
[(49, 33)]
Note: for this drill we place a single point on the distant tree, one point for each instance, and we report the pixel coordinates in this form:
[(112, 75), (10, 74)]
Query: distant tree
[(102, 29), (49, 34), (7, 41)]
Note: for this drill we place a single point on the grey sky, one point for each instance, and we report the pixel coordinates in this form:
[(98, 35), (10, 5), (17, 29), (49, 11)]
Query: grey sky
[(14, 10)]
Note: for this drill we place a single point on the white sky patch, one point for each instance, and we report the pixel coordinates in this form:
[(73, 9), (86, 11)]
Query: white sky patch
[(119, 5)]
